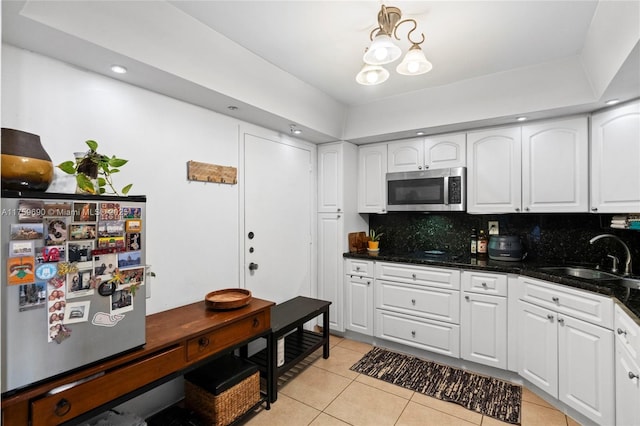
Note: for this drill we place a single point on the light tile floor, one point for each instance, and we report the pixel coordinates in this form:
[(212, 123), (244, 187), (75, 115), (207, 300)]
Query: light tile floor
[(324, 392)]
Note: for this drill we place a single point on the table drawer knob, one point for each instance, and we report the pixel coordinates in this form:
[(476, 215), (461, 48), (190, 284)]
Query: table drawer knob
[(256, 322), (203, 342), (62, 408)]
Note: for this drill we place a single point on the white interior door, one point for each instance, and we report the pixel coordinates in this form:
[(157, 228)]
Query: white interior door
[(278, 205)]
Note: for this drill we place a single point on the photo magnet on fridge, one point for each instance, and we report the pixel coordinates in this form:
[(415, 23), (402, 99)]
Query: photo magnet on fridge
[(85, 212), (20, 270)]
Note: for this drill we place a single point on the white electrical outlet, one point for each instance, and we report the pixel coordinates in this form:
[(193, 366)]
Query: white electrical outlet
[(494, 228)]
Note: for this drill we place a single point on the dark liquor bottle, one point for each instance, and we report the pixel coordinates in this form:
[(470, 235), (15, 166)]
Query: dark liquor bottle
[(474, 242), (483, 242)]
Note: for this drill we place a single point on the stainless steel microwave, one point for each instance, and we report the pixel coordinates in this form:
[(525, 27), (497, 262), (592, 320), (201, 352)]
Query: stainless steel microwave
[(427, 190)]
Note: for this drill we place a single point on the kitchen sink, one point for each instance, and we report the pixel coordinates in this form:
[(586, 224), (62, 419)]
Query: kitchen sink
[(581, 272)]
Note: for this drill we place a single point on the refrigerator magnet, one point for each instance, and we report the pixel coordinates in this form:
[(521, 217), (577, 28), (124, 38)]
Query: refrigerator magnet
[(121, 301), (133, 242), (32, 296), (133, 225), (30, 210), (85, 212), (46, 271), (27, 231), (56, 231), (131, 212), (20, 270), (21, 248)]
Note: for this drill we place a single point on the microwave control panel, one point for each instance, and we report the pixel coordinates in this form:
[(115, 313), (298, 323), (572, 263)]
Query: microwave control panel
[(455, 190)]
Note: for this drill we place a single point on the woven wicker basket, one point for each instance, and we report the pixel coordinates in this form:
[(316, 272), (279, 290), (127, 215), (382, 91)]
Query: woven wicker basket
[(221, 410)]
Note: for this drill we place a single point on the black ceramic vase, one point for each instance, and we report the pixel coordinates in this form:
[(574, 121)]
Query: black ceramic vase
[(25, 164)]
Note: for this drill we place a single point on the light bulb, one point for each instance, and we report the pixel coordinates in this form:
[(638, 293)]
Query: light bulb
[(413, 67), (372, 77), (381, 54)]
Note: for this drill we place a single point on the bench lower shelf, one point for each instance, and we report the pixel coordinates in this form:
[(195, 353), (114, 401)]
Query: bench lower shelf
[(297, 346)]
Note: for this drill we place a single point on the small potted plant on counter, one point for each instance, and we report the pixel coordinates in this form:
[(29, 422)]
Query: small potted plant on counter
[(93, 171), (374, 240)]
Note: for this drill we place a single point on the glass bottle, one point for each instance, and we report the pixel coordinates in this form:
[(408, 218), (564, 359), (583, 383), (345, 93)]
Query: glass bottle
[(474, 242), (483, 242)]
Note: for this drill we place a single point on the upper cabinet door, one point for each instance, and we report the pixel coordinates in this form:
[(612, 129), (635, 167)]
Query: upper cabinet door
[(372, 170), (405, 156), (493, 171), (445, 151), (615, 155), (555, 175), (330, 179)]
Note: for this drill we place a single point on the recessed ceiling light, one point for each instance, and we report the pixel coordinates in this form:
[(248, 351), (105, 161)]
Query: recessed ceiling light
[(612, 101), (521, 118), (419, 133), (118, 69), (232, 108)]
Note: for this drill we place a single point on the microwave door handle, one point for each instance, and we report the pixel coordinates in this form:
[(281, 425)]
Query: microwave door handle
[(446, 190)]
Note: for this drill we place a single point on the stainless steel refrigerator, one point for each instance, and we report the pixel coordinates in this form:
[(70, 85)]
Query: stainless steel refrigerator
[(73, 290)]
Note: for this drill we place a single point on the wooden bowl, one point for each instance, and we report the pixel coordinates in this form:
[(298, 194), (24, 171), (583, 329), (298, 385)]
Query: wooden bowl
[(229, 298)]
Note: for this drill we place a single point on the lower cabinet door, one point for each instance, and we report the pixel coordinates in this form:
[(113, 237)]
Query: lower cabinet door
[(359, 310), (538, 347), (434, 336), (586, 369), (483, 328), (627, 388)]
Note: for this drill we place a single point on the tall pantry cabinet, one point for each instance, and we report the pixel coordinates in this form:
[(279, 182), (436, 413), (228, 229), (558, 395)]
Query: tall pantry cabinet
[(337, 217)]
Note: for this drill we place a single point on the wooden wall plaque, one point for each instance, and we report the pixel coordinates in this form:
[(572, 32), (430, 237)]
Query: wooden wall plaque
[(204, 172)]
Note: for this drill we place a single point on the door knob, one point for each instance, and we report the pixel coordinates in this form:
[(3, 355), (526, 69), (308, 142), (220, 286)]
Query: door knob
[(253, 266)]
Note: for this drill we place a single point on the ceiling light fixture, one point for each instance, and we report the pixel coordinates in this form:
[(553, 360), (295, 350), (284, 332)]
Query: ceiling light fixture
[(383, 50), (118, 69), (294, 130)]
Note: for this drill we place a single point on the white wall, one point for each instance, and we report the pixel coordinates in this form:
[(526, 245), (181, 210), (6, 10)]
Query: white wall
[(192, 227)]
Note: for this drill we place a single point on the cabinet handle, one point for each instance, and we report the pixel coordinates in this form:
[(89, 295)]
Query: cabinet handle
[(633, 376), (484, 285), (413, 333), (550, 317), (413, 301), (413, 276), (339, 210), (621, 331), (357, 268), (466, 297), (555, 299), (594, 209), (426, 166), (338, 216), (419, 167), (64, 406), (517, 209), (368, 282), (561, 321), (526, 209)]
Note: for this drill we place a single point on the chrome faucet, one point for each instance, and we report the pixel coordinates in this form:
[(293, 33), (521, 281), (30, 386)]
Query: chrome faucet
[(627, 262)]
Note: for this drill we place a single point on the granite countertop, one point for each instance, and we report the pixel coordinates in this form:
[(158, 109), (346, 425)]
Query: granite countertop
[(532, 269)]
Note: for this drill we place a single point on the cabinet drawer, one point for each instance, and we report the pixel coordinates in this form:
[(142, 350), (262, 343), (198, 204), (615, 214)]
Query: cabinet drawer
[(63, 406), (436, 277), (434, 336), (627, 333), (358, 267), (583, 305), (484, 283), (217, 340), (427, 302)]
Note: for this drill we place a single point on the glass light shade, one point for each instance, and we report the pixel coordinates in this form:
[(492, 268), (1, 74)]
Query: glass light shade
[(414, 62), (371, 75), (382, 51)]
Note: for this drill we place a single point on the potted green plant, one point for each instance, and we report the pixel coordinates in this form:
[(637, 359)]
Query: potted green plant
[(93, 171), (374, 239)]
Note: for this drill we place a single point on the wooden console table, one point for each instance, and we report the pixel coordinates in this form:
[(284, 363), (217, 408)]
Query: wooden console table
[(177, 341), (286, 317)]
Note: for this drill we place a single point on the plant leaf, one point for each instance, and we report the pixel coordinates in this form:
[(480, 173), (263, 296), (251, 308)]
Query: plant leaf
[(112, 171), (117, 162), (84, 183), (93, 145), (68, 167), (126, 189), (102, 181)]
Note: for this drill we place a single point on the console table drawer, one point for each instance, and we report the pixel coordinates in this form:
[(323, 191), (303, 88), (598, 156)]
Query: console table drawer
[(217, 340), (65, 405)]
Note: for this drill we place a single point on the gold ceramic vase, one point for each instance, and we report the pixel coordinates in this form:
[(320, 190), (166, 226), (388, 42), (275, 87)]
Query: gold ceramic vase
[(25, 164)]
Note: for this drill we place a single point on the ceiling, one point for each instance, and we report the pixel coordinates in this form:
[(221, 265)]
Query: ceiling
[(320, 44)]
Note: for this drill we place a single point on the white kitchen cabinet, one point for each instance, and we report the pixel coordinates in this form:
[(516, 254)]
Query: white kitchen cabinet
[(615, 153), (627, 344), (330, 249), (330, 179), (537, 168), (555, 172), (483, 319), (359, 306), (372, 170), (433, 152), (418, 306), (569, 358), (337, 217), (494, 170)]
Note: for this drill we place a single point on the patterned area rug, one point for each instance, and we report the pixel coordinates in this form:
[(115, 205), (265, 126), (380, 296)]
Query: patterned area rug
[(486, 395)]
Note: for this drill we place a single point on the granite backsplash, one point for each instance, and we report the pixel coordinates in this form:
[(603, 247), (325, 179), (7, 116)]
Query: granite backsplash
[(551, 238)]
